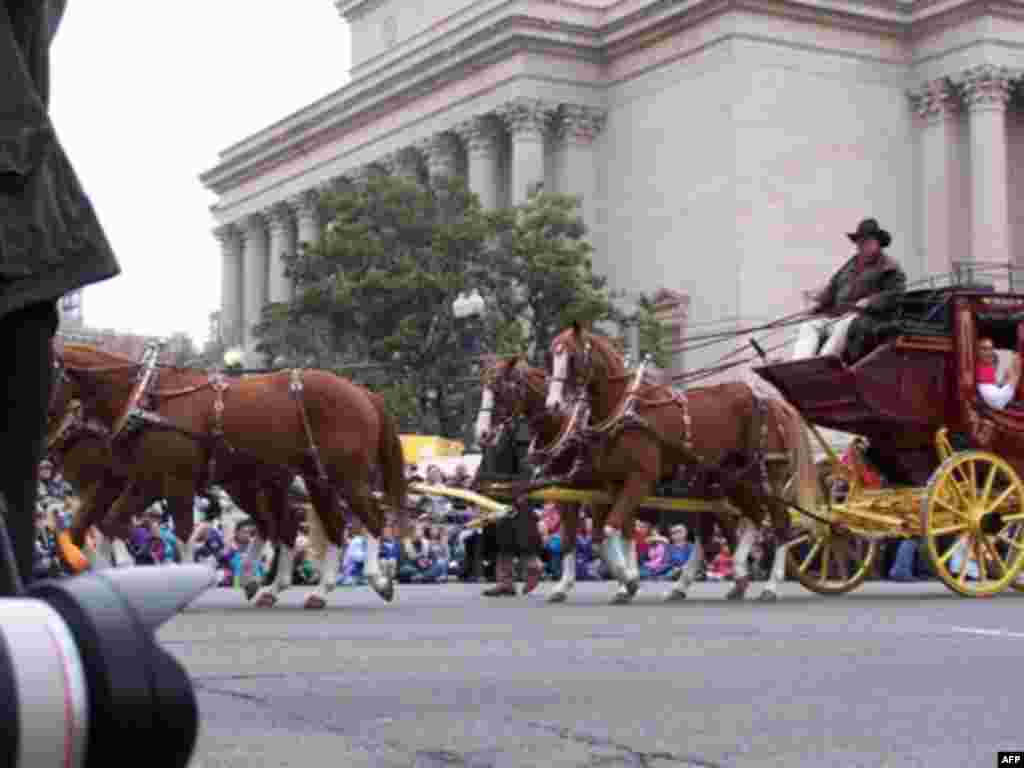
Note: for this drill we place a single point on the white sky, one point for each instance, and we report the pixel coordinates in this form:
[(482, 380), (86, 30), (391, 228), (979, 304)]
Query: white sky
[(144, 95)]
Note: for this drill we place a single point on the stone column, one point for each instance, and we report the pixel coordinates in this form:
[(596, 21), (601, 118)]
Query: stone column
[(441, 152), (231, 318), (482, 137), (282, 243), (307, 217), (937, 104), (577, 128), (527, 121), (255, 274), (987, 93)]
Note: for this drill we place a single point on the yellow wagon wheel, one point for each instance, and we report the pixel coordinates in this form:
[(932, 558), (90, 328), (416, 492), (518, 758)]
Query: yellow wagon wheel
[(973, 520), (831, 561)]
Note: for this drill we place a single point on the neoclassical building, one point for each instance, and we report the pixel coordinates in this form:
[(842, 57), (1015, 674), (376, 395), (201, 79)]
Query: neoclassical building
[(721, 148)]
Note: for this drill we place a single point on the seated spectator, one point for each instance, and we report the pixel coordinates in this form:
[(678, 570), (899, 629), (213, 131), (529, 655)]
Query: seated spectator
[(962, 558), (550, 527), (903, 565), (207, 544), (51, 483), (678, 551), (232, 559), (422, 568), (587, 563), (389, 548), (461, 478), (641, 533), (354, 562), (304, 571), (721, 568), (657, 564), (995, 389), (45, 560), (439, 550)]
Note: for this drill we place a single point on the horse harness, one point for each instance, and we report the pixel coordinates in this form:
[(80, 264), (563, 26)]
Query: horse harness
[(141, 412), (696, 477)]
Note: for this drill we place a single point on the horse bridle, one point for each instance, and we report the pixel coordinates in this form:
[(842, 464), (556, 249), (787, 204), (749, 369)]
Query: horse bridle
[(500, 388)]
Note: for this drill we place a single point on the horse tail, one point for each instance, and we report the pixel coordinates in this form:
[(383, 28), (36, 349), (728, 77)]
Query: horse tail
[(392, 466)]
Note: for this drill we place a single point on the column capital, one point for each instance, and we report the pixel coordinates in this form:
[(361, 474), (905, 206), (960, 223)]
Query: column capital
[(441, 152), (986, 87), (480, 134), (227, 234), (254, 225), (527, 118), (305, 203), (443, 144), (579, 123), (401, 162), (935, 100), (279, 217)]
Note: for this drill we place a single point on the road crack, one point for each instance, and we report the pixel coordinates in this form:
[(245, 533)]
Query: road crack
[(640, 759)]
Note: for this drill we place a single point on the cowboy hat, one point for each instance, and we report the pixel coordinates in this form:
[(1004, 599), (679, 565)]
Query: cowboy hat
[(870, 228)]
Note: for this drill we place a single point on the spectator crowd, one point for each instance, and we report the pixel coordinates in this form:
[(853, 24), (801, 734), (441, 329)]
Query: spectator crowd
[(444, 547)]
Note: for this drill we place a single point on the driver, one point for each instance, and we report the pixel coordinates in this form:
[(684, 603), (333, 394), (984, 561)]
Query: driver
[(870, 280)]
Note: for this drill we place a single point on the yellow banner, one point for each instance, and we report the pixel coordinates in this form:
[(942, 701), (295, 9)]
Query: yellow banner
[(421, 448)]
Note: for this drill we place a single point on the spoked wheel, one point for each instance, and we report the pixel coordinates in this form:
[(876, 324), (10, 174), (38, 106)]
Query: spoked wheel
[(831, 561), (973, 519)]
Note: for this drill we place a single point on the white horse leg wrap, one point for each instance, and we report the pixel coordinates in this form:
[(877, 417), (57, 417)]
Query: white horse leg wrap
[(122, 557), (568, 580), (632, 563), (285, 566), (330, 564), (372, 565), (689, 572), (747, 534)]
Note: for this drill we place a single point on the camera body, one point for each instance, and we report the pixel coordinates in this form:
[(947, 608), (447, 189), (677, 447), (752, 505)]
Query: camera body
[(80, 667)]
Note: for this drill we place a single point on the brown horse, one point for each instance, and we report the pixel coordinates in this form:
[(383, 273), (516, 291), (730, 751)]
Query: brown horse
[(513, 390), (719, 436), (314, 424), (83, 452)]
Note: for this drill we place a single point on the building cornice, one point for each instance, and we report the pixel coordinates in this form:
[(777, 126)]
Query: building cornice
[(628, 26)]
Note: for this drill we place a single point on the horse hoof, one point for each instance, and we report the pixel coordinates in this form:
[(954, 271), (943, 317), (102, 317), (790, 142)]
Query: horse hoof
[(632, 588), (622, 598), (250, 590), (557, 597), (314, 603), (384, 588), (739, 590), (768, 597), (674, 596), (266, 600)]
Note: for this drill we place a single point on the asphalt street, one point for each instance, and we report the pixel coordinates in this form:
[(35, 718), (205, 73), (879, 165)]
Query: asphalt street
[(891, 675)]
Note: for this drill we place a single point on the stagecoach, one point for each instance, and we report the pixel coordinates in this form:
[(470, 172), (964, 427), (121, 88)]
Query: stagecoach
[(953, 464)]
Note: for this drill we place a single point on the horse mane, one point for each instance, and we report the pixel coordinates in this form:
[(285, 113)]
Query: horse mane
[(103, 355)]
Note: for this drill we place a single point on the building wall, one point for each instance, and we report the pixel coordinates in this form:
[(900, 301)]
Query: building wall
[(393, 22), (820, 146), (666, 185), (1015, 166)]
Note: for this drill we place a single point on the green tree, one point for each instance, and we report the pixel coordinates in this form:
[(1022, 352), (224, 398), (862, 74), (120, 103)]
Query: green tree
[(655, 336), (378, 287), (542, 272)]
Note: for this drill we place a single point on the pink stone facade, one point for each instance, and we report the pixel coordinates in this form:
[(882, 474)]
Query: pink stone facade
[(720, 150)]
